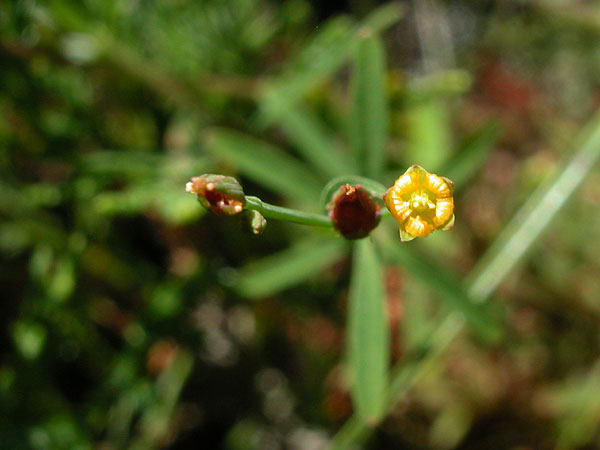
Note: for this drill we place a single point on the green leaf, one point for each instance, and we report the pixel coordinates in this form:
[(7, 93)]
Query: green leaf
[(323, 55), (311, 137), (405, 375), (429, 139), (329, 49), (265, 165), (155, 422), (370, 116), (445, 284), (472, 154), (288, 267), (383, 17), (368, 333)]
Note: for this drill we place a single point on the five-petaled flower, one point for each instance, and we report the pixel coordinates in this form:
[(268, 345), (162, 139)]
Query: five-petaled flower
[(421, 202)]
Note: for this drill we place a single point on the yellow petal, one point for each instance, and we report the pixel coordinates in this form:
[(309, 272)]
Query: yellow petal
[(436, 185), (407, 183), (418, 227), (444, 208), (397, 206)]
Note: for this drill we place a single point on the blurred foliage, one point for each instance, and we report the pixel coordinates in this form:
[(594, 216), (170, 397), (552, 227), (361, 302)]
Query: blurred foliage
[(133, 320)]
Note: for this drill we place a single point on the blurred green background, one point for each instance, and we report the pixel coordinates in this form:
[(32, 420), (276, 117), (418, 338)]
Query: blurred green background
[(132, 320)]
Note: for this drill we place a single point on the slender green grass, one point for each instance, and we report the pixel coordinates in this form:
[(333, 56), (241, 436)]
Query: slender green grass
[(291, 266), (368, 333)]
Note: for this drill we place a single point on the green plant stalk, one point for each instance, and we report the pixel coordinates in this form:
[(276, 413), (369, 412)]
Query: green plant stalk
[(287, 214)]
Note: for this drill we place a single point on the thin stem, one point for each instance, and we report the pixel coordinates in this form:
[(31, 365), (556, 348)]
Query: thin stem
[(286, 214)]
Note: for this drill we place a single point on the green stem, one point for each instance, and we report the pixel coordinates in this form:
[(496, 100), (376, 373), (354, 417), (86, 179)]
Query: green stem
[(286, 214)]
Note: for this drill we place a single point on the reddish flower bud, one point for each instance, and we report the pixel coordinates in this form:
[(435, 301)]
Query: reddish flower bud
[(353, 212), (219, 194)]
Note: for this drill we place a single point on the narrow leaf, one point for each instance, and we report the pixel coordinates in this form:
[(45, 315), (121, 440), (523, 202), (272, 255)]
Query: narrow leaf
[(311, 138), (472, 154), (323, 55), (368, 333), (369, 118), (156, 420), (330, 48), (404, 376), (265, 164), (383, 17), (288, 267), (429, 137)]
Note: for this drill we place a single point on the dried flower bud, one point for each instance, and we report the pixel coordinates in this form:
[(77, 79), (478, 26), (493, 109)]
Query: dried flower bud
[(421, 202), (253, 222), (353, 212), (219, 194)]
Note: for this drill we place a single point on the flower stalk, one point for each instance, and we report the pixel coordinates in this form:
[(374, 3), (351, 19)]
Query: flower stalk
[(421, 202), (287, 214)]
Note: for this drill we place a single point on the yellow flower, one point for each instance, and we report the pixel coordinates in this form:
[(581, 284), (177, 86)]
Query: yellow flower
[(421, 202)]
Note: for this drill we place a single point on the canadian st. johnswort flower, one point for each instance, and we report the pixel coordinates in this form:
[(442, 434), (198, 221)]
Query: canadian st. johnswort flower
[(421, 202)]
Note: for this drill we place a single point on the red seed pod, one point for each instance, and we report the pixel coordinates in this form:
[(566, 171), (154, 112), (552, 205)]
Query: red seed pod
[(353, 212), (219, 194)]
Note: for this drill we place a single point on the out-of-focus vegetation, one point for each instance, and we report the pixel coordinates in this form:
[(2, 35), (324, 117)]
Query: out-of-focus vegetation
[(132, 320)]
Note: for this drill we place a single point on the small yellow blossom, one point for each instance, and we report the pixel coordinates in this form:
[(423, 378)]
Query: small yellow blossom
[(421, 202)]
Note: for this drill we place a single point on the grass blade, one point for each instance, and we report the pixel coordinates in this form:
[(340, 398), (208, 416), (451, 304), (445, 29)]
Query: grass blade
[(368, 333), (472, 154), (403, 377), (533, 217), (330, 48), (156, 421), (370, 116), (429, 136), (324, 54), (311, 138), (288, 267), (383, 17), (266, 165)]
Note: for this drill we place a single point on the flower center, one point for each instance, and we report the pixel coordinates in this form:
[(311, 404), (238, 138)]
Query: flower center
[(420, 202)]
